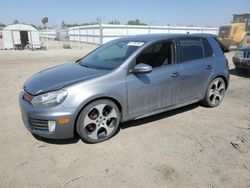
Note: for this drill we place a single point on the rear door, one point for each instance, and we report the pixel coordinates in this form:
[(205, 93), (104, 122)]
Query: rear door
[(196, 56)]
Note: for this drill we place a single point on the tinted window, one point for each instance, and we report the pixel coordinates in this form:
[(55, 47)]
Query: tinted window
[(208, 51), (190, 49), (158, 54)]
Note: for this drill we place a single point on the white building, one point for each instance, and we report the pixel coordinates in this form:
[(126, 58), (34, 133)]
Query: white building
[(19, 34)]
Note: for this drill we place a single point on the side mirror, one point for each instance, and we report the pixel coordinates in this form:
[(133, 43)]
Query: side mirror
[(142, 68)]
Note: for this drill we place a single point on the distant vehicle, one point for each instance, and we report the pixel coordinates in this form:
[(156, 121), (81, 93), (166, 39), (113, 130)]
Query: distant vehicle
[(241, 60), (237, 33), (125, 79)]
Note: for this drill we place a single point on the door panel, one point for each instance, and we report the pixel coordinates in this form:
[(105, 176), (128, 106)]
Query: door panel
[(155, 90), (16, 37), (196, 75), (193, 54)]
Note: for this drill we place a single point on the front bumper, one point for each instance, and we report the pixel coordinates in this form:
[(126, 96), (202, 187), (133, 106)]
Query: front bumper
[(36, 120), (241, 63)]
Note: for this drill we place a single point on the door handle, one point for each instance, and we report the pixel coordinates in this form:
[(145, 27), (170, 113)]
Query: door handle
[(174, 75), (209, 67)]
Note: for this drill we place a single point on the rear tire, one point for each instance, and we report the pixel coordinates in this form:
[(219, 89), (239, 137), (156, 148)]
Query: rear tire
[(215, 93), (98, 121)]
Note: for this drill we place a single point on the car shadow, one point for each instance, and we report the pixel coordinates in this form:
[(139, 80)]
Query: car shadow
[(134, 123), (57, 141), (235, 73)]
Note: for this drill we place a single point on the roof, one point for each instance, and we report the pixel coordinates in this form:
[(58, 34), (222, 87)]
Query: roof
[(20, 27), (155, 37)]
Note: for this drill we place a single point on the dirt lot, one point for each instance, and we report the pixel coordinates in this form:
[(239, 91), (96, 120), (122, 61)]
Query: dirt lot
[(189, 147)]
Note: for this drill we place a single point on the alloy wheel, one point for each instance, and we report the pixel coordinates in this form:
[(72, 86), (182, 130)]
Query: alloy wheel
[(100, 121), (216, 91)]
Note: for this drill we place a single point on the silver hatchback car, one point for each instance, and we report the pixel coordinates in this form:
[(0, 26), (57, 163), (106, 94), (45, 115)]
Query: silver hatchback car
[(125, 79)]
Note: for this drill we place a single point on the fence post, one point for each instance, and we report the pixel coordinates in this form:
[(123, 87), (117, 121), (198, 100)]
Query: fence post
[(101, 34), (79, 40)]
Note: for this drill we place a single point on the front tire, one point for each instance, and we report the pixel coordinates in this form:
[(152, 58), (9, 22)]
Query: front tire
[(215, 93), (98, 121)]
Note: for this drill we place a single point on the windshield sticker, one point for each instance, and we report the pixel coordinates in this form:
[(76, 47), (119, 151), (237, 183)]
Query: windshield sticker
[(135, 43)]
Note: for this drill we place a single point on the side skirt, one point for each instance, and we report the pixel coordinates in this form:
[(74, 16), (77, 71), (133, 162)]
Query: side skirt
[(163, 110)]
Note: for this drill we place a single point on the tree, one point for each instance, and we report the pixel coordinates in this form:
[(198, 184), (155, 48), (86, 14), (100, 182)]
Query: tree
[(135, 22), (115, 22), (63, 24), (76, 24), (2, 25), (15, 22), (45, 21)]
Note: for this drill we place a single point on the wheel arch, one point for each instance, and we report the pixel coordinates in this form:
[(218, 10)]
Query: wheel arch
[(224, 78), (95, 99)]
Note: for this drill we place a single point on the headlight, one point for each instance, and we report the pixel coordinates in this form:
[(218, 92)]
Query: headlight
[(239, 54), (49, 99)]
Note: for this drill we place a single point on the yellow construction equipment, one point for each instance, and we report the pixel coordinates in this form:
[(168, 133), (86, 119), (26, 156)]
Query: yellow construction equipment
[(237, 33)]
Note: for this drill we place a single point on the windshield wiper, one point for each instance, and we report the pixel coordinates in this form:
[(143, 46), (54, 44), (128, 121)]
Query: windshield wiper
[(95, 67)]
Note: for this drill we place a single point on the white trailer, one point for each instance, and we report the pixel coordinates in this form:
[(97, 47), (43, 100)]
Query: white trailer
[(19, 34)]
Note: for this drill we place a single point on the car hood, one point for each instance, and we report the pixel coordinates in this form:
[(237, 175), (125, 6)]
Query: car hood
[(60, 76)]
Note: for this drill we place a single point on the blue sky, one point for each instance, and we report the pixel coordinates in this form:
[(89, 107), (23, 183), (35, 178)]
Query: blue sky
[(159, 12)]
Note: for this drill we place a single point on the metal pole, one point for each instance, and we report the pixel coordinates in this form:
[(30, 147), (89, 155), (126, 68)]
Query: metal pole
[(47, 36), (99, 20), (79, 38)]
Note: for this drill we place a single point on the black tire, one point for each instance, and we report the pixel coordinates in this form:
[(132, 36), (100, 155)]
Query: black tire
[(208, 99), (97, 125), (241, 70)]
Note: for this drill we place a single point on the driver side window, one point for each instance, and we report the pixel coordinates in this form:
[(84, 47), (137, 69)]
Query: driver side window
[(157, 55)]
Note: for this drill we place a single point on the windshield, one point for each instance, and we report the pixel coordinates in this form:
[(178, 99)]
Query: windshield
[(240, 18), (110, 55)]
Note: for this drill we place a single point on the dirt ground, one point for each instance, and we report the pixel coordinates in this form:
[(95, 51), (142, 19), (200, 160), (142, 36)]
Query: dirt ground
[(188, 147)]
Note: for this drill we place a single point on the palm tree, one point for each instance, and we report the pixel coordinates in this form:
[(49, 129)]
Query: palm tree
[(45, 21)]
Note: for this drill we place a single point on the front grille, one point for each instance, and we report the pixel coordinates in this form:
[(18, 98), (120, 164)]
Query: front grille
[(247, 55), (224, 31), (38, 124)]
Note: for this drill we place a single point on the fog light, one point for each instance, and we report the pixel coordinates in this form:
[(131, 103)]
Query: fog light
[(51, 125)]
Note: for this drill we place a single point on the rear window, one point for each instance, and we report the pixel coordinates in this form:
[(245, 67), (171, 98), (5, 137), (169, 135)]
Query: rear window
[(208, 51), (190, 49)]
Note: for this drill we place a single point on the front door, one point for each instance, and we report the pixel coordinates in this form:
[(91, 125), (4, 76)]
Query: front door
[(159, 88), (155, 90)]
